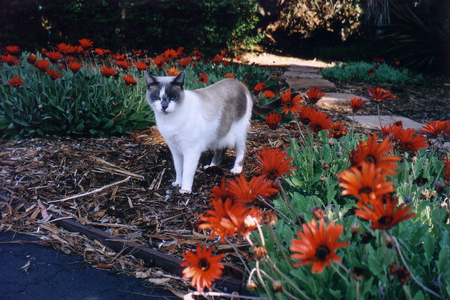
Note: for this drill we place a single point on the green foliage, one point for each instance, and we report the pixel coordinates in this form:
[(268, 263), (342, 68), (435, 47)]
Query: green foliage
[(88, 104), (151, 25), (423, 240), (359, 71)]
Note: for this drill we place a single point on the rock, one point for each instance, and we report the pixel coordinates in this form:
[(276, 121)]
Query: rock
[(372, 122), (338, 99), (293, 74), (307, 83)]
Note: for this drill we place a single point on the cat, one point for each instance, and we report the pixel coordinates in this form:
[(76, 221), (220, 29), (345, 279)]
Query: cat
[(192, 121)]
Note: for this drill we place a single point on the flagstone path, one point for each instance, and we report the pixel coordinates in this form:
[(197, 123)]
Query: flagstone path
[(304, 75)]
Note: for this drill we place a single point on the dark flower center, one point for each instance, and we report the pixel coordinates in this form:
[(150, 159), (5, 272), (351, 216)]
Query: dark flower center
[(371, 159), (204, 264), (322, 252), (367, 190), (385, 220), (289, 104)]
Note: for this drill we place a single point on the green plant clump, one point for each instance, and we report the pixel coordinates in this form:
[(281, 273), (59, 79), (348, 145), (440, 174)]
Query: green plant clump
[(367, 72)]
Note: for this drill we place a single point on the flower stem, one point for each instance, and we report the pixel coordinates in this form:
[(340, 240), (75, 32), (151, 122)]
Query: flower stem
[(340, 274), (408, 294), (379, 117), (239, 255)]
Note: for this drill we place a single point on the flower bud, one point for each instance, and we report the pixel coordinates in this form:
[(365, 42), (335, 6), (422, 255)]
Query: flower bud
[(358, 274), (269, 218), (318, 213), (252, 286), (259, 253), (439, 187), (277, 286), (325, 166)]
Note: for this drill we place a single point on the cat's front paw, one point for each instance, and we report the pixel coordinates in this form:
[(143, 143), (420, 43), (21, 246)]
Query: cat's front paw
[(182, 191), (236, 170), (176, 183)]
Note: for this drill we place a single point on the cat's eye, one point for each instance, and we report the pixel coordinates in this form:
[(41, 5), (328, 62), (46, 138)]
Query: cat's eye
[(156, 97), (173, 98)]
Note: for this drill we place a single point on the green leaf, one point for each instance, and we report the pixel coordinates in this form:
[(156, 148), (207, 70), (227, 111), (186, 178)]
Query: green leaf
[(428, 246), (443, 262), (419, 296)]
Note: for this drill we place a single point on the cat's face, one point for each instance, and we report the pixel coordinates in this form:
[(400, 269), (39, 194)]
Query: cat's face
[(164, 94)]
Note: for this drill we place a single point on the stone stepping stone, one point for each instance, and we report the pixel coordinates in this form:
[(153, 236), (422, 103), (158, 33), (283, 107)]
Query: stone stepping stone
[(372, 122), (296, 74), (339, 99), (307, 83)]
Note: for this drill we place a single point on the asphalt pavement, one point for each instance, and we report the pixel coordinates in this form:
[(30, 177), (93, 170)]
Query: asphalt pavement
[(53, 275)]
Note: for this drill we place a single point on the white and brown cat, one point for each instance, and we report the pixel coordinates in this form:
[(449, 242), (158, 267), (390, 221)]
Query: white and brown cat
[(216, 117)]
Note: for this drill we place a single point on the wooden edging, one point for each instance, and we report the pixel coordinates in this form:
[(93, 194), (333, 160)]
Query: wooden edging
[(150, 256)]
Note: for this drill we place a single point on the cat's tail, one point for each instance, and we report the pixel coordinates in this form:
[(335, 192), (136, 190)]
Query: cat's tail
[(259, 110)]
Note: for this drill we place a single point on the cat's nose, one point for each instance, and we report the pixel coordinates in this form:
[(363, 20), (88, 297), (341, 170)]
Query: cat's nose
[(164, 105)]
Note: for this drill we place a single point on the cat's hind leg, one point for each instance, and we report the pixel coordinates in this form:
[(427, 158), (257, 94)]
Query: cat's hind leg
[(240, 154), (178, 163), (217, 159)]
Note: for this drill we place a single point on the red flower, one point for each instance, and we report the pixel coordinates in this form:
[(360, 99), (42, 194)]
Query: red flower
[(357, 103), (221, 191), (273, 163), (10, 60), (290, 105), (13, 50), (269, 94), (107, 72), (63, 48), (376, 66), (170, 54), (172, 72), (238, 57), (203, 78), (260, 86), (408, 142), (247, 192), (317, 245), (314, 95), (434, 128), (229, 75), (319, 121), (305, 115), (337, 130), (382, 216), (196, 53), (53, 56), (160, 61), (185, 61), (99, 52), (32, 59), (202, 268), (217, 60), (180, 51), (389, 131), (42, 65), (371, 72), (85, 43), (15, 82), (379, 95), (53, 74), (141, 66), (74, 66), (367, 184), (272, 120), (124, 64), (129, 80)]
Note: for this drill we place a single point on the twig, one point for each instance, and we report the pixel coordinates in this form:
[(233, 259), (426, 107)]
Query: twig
[(217, 294), (91, 192)]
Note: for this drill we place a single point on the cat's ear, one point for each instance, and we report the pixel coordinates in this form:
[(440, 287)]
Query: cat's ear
[(150, 78), (179, 80)]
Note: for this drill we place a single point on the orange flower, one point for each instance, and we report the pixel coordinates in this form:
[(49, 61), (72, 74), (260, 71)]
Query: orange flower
[(85, 43), (202, 268), (305, 115), (247, 192), (367, 184), (371, 72), (42, 65), (272, 120), (390, 130), (319, 121), (408, 142), (107, 72), (53, 56), (400, 273), (226, 63), (63, 48), (373, 152), (238, 57), (447, 170), (217, 60), (357, 103), (74, 66), (160, 61), (10, 60), (290, 105), (273, 163), (379, 95), (32, 59), (15, 82), (196, 53), (229, 75), (260, 86), (382, 216), (269, 94), (317, 245), (225, 219), (180, 51), (337, 130), (434, 128), (221, 192), (170, 54), (140, 66), (172, 72), (53, 74), (203, 78), (123, 64), (185, 61), (129, 80), (13, 50), (314, 95), (250, 222)]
